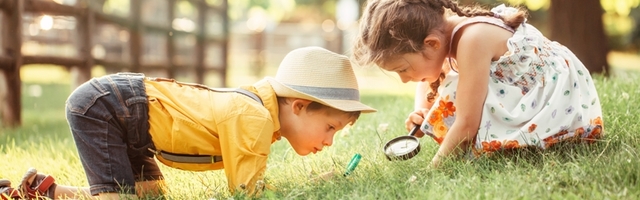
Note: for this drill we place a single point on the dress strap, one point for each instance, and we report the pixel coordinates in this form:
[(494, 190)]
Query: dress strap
[(479, 19)]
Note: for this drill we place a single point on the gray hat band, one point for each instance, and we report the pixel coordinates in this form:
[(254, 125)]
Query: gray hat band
[(329, 93)]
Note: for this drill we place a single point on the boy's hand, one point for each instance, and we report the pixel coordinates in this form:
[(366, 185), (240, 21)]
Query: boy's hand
[(323, 176)]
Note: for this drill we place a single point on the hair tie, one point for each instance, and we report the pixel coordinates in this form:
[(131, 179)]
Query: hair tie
[(503, 10)]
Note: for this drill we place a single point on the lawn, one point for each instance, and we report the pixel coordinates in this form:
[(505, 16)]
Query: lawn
[(607, 169)]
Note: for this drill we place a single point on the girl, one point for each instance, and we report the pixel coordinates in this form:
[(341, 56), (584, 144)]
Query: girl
[(488, 81)]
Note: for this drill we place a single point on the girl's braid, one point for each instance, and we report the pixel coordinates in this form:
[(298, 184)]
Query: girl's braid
[(512, 21), (431, 96), (465, 11)]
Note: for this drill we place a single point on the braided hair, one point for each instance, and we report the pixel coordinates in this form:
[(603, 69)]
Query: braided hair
[(391, 28)]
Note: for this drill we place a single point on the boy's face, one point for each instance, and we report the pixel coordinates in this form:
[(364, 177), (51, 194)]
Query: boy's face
[(310, 131)]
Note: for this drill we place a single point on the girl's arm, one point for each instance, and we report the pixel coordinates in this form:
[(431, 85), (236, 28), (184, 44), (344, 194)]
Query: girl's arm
[(421, 107), (477, 46)]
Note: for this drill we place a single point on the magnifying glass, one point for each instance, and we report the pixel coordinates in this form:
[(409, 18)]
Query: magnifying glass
[(403, 147)]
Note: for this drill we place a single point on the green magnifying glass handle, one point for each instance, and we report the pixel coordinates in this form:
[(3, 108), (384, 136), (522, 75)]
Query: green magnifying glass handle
[(353, 164)]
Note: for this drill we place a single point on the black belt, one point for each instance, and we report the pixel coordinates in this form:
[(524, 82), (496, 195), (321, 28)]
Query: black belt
[(186, 158)]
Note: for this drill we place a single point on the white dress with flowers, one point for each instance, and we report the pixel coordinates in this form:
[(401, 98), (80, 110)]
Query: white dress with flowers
[(539, 94)]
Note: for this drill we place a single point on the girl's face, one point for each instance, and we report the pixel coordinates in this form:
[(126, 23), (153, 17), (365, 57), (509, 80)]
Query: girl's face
[(310, 131), (424, 66)]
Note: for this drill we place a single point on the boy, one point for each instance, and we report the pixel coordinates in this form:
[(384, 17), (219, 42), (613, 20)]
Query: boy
[(122, 121)]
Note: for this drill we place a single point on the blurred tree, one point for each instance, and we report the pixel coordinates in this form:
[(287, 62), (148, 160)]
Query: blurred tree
[(621, 21), (635, 34), (578, 25)]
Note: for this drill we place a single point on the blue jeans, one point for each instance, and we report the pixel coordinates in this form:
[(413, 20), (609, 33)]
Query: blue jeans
[(108, 117)]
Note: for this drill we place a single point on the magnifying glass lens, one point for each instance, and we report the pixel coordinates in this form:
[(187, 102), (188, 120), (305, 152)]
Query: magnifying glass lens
[(401, 147)]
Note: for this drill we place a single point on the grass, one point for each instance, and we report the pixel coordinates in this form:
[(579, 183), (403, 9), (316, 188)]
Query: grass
[(607, 169)]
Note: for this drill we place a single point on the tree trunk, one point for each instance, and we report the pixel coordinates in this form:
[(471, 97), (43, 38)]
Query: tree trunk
[(578, 25), (11, 34)]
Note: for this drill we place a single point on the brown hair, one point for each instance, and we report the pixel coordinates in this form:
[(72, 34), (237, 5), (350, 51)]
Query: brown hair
[(315, 106), (390, 28)]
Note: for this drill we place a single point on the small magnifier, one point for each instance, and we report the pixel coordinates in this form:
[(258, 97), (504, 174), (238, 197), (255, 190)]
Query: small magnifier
[(403, 147)]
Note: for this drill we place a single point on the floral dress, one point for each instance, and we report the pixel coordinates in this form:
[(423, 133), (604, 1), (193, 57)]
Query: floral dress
[(539, 93)]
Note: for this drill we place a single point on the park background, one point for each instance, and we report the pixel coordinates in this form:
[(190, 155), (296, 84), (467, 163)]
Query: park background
[(260, 33), (229, 43)]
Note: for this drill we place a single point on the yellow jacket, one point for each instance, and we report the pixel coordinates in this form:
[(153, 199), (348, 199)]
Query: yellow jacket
[(190, 120)]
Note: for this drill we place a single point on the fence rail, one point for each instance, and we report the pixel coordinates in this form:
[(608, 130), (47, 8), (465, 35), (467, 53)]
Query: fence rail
[(89, 17)]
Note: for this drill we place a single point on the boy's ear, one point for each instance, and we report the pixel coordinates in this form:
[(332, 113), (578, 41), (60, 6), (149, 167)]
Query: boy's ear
[(297, 105), (432, 41)]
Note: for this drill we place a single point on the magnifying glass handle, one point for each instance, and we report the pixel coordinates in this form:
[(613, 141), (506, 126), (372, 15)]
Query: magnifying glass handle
[(414, 130)]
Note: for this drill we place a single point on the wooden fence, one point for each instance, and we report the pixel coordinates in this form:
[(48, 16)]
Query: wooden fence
[(208, 52)]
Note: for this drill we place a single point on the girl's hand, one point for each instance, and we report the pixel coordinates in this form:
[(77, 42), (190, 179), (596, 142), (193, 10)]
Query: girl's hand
[(415, 119)]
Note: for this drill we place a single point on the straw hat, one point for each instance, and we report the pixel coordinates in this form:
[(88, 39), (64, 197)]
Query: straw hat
[(317, 74)]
